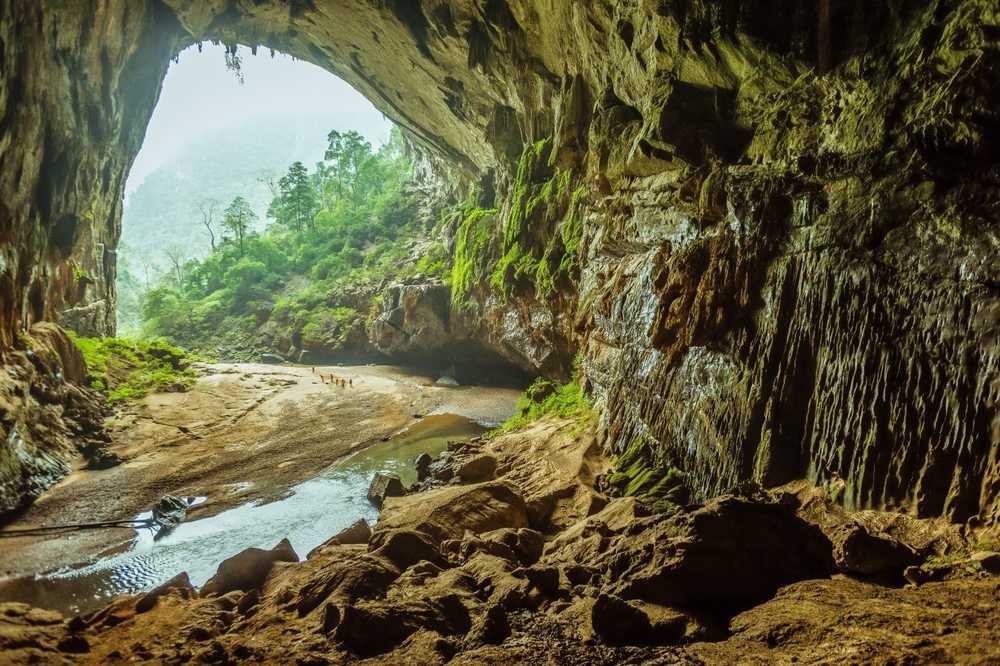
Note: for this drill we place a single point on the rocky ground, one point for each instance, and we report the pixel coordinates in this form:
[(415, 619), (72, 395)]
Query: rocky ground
[(509, 555), (243, 433)]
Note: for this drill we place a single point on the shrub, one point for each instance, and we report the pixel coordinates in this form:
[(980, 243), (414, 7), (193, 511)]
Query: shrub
[(130, 369), (545, 398)]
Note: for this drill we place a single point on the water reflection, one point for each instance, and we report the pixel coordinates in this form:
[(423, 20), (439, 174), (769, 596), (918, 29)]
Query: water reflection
[(313, 512)]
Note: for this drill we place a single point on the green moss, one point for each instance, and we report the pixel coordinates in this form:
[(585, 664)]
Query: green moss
[(544, 398), (539, 246), (523, 204), (636, 475), (129, 369), (472, 253), (435, 262)]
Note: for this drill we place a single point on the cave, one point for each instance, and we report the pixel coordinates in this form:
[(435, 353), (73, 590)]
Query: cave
[(760, 238)]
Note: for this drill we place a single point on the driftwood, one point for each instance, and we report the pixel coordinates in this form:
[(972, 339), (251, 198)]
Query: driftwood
[(167, 514)]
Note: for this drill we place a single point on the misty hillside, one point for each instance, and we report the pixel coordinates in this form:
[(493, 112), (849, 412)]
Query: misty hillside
[(163, 213)]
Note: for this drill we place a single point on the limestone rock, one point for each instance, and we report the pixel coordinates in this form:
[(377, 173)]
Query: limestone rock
[(857, 551), (179, 584), (248, 570), (357, 533), (384, 486), (423, 466), (377, 627), (479, 468), (616, 622), (730, 553), (448, 513)]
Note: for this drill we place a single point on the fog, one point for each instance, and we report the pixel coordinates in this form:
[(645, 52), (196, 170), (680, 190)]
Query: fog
[(200, 95)]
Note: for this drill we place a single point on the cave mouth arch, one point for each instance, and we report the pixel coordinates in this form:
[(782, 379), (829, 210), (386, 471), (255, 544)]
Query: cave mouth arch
[(183, 189), (90, 108)]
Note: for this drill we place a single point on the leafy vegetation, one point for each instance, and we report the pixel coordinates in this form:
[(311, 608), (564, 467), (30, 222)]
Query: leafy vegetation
[(542, 234), (166, 208), (333, 233), (129, 369), (545, 398), (472, 252)]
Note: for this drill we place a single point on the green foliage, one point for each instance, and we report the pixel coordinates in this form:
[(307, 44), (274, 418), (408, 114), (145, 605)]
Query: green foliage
[(543, 233), (435, 263), (636, 475), (239, 219), (472, 252), (342, 229), (129, 369), (295, 205), (544, 398)]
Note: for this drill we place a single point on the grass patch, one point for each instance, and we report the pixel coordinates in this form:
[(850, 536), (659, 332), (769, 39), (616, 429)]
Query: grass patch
[(129, 369), (545, 398)]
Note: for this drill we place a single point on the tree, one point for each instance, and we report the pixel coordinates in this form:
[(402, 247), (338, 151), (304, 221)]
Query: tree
[(295, 205), (208, 209), (348, 154), (176, 256), (239, 219)]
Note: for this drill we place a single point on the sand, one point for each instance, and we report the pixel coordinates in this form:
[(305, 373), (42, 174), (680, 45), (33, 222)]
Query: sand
[(244, 432)]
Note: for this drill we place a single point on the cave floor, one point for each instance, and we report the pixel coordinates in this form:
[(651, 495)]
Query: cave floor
[(244, 433)]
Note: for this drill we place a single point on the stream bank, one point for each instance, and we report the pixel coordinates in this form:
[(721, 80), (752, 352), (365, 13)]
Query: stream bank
[(281, 448)]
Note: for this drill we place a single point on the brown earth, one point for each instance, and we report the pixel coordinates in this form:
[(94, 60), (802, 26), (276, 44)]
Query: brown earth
[(243, 433), (531, 565)]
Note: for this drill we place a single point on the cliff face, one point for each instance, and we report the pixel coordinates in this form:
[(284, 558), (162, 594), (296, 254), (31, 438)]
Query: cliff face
[(770, 228)]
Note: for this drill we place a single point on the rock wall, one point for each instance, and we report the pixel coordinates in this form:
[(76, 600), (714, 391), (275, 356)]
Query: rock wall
[(45, 416), (770, 227)]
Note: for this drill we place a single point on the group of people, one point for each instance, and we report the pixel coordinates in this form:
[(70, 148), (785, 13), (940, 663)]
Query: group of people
[(333, 379)]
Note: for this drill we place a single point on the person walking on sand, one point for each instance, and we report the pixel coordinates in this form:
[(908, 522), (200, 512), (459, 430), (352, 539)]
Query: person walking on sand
[(352, 381)]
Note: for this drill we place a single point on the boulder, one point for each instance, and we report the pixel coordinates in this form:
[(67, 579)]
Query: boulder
[(522, 545), (858, 551), (616, 622), (383, 486), (179, 584), (357, 533), (491, 627), (726, 555), (248, 570), (480, 468), (346, 579), (404, 548), (423, 466), (375, 627), (989, 561), (450, 512)]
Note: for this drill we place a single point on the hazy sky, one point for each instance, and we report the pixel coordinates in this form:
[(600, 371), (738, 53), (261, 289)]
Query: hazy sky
[(200, 94)]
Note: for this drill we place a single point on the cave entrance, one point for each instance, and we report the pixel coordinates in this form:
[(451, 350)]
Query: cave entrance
[(234, 131)]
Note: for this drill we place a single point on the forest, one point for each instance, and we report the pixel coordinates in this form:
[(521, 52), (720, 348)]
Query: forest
[(332, 236)]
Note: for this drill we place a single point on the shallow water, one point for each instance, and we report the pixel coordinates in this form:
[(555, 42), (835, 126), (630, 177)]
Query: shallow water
[(313, 512)]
